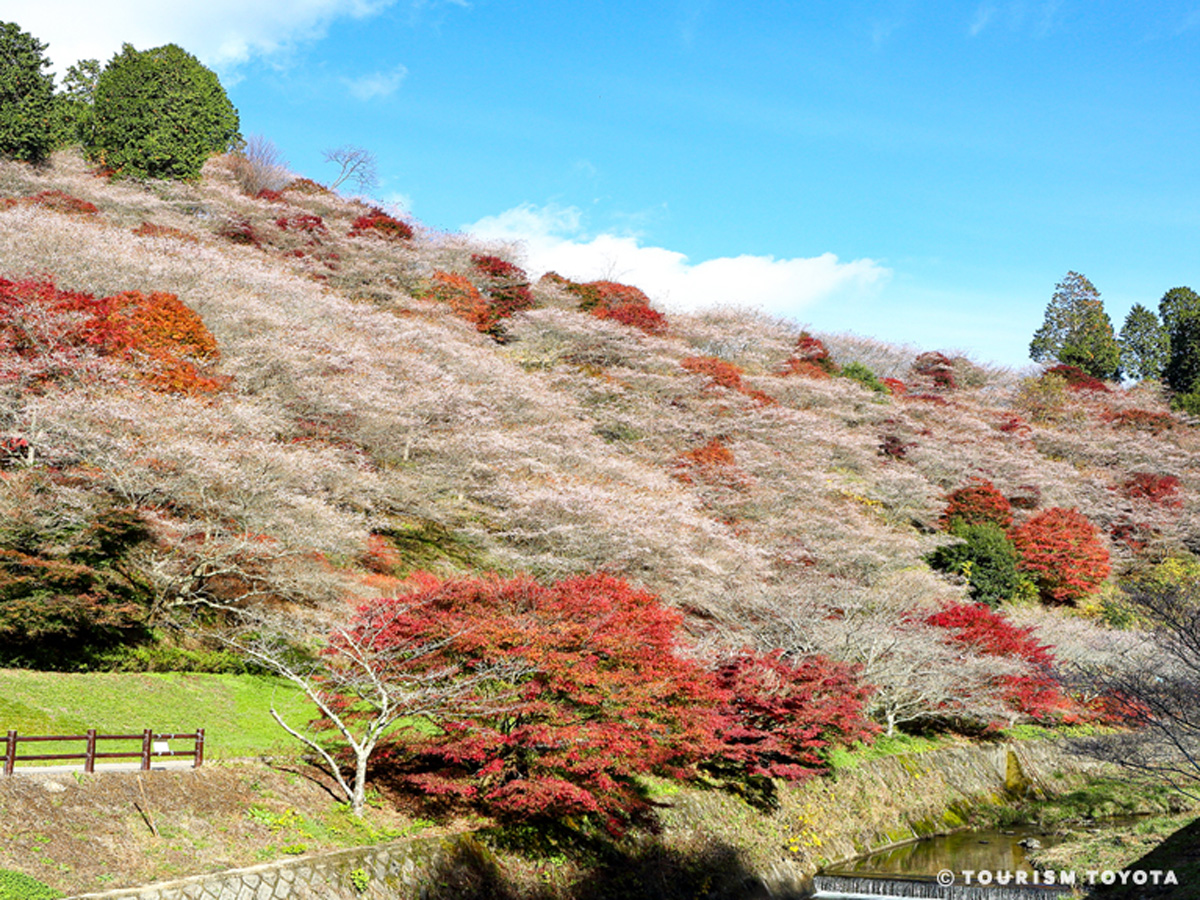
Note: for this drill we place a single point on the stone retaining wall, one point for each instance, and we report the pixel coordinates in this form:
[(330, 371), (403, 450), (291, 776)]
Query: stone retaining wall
[(383, 872)]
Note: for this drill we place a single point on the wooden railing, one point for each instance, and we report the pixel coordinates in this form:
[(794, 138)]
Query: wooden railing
[(153, 746)]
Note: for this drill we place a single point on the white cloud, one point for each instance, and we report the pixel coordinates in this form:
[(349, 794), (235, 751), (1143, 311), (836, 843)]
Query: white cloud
[(222, 33), (378, 84), (553, 241)]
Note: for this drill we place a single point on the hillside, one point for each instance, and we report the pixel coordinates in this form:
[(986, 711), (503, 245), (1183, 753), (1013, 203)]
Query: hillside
[(370, 409)]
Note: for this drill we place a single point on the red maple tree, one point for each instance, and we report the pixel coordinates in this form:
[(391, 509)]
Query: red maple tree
[(1062, 551)]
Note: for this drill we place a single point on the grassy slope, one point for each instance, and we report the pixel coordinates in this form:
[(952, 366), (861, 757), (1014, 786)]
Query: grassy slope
[(232, 709)]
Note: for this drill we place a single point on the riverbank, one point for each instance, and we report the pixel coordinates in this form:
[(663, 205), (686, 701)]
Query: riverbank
[(99, 833)]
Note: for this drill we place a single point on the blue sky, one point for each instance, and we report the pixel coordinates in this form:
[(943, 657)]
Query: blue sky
[(920, 172)]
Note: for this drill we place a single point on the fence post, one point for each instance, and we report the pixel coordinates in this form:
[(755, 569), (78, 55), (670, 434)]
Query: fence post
[(10, 753), (147, 736), (199, 748), (89, 764)]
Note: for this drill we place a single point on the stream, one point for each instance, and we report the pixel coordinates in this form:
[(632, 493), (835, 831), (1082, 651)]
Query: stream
[(987, 864)]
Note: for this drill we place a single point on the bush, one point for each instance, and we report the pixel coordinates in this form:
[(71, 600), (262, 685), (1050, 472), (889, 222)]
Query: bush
[(506, 287), (601, 695), (64, 595), (621, 303), (49, 335), (987, 559), (15, 886), (1159, 489), (1034, 693), (712, 464), (723, 374), (1043, 399), (457, 292), (160, 114), (856, 371), (1076, 379), (377, 223), (27, 118), (782, 719), (934, 369), (1061, 550), (811, 359), (978, 503)]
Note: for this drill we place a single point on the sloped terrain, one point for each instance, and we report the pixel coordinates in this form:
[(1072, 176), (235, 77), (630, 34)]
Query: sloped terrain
[(354, 425)]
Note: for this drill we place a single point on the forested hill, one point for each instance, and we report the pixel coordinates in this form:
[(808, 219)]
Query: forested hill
[(295, 399)]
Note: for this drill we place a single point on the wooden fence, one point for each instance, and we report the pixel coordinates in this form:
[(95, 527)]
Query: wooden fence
[(153, 746)]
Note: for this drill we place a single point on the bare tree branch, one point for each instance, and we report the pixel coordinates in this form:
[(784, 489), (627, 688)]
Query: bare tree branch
[(364, 682), (356, 165)]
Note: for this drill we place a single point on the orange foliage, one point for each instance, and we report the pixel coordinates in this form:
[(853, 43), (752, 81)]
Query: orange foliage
[(463, 297), (712, 464), (724, 374), (149, 229), (171, 338)]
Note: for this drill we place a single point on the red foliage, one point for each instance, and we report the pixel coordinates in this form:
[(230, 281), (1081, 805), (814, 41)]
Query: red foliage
[(811, 359), (269, 195), (506, 288), (1077, 379), (149, 229), (380, 224), (935, 368), (1134, 535), (1061, 549), (894, 446), (985, 631), (309, 224), (780, 718), (1139, 419), (59, 201), (976, 504), (46, 332), (1160, 489), (724, 374), (635, 315), (1011, 423), (604, 695), (621, 303), (239, 230), (897, 387), (712, 464)]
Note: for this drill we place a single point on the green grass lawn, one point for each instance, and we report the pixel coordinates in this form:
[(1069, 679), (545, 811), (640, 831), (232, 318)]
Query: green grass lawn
[(233, 710)]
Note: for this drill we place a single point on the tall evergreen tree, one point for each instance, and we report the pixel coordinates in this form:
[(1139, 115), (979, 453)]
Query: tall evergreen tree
[(27, 127), (1180, 312), (1145, 344), (1077, 330), (159, 114)]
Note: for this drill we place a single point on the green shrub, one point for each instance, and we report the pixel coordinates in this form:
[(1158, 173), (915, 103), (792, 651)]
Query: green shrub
[(160, 114), (987, 559), (15, 886), (856, 371), (27, 120), (1187, 403), (164, 657)]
